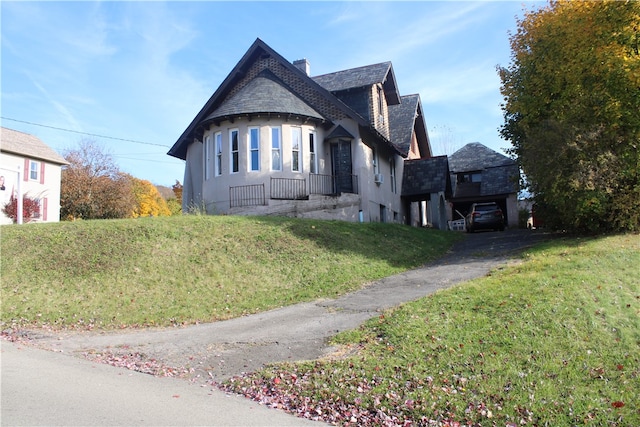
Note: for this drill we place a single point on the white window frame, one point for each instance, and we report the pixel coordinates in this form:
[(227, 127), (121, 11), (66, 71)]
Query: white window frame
[(381, 104), (313, 153), (276, 147), (208, 150), (376, 161), (296, 149), (234, 154), (253, 149), (34, 170), (392, 174), (218, 146)]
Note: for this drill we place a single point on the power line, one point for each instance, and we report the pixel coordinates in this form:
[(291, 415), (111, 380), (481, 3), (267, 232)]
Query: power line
[(143, 160), (84, 133)]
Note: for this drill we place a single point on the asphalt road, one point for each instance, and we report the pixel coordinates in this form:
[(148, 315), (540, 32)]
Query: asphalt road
[(50, 388), (44, 388)]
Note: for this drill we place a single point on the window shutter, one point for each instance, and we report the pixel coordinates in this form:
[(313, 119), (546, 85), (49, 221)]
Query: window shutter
[(26, 170), (44, 208), (41, 172)]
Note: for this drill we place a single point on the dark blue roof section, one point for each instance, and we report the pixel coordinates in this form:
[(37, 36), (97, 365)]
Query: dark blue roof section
[(425, 176), (264, 94), (475, 157)]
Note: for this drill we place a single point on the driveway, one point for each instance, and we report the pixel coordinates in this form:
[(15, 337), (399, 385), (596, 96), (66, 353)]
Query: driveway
[(217, 351)]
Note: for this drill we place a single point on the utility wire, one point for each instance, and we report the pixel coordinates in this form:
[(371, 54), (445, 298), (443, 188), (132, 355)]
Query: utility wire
[(84, 133)]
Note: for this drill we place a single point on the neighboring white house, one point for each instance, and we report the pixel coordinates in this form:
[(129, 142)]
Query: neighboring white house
[(273, 140), (30, 167)]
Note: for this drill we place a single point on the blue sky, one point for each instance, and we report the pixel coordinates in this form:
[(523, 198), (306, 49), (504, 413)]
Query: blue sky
[(138, 72)]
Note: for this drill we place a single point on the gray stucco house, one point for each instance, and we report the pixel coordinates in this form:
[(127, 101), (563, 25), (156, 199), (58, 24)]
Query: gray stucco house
[(274, 140)]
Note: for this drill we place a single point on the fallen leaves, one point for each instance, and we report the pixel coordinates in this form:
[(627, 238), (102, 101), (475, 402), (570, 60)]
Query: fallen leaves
[(136, 361)]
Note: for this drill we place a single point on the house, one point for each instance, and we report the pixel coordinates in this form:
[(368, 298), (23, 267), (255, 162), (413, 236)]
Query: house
[(480, 174), (30, 167), (274, 140)]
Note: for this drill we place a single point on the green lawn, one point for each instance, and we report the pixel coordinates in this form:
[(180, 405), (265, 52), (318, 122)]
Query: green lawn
[(553, 341), (188, 269)]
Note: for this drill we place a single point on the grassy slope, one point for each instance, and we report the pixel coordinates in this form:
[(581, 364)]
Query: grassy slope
[(187, 269), (553, 341)]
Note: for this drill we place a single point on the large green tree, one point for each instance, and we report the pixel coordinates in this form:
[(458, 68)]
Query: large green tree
[(572, 111)]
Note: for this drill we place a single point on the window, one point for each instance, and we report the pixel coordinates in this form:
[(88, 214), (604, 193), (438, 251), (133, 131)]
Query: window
[(34, 169), (218, 139), (381, 104), (392, 174), (470, 177), (276, 154), (313, 158), (254, 149), (376, 161), (208, 153), (296, 143), (234, 150)]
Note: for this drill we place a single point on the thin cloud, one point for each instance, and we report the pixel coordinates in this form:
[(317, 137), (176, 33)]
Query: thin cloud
[(59, 107)]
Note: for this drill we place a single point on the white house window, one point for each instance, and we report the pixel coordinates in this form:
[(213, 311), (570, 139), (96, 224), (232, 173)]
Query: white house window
[(234, 149), (218, 139), (392, 174), (296, 144), (376, 162), (34, 170), (276, 149), (254, 149), (313, 158), (208, 156), (380, 104)]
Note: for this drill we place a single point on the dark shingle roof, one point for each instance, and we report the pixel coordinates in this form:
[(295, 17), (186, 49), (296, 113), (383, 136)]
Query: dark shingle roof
[(475, 156), (263, 94), (24, 144), (401, 122), (362, 77), (354, 77), (500, 180), (499, 173), (424, 176)]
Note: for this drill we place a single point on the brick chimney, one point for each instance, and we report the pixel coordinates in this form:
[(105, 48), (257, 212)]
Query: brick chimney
[(303, 65)]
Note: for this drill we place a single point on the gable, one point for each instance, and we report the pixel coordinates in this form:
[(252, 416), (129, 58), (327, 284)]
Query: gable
[(258, 58), (264, 95), (406, 125)]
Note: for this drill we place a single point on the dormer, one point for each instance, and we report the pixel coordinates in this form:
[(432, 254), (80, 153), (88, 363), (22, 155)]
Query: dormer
[(368, 90)]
